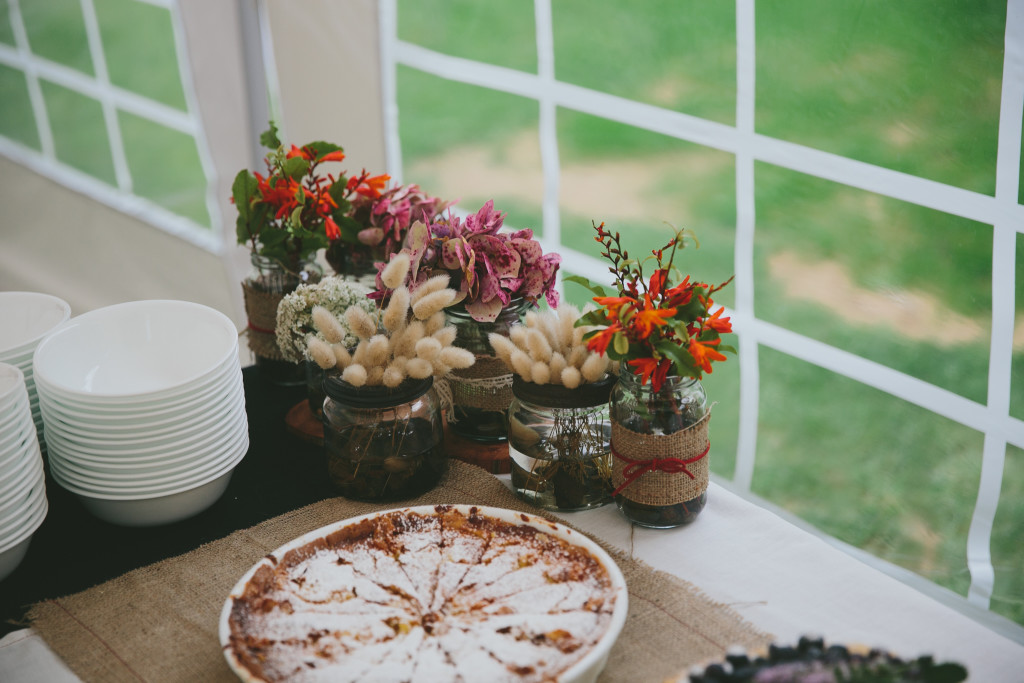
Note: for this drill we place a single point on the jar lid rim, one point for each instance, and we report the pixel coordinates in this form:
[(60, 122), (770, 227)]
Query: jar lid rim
[(378, 396), (585, 395)]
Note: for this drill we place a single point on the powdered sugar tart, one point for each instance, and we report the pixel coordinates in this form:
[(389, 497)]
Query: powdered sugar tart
[(450, 593)]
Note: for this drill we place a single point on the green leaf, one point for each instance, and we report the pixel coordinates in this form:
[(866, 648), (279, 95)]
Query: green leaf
[(349, 228), (727, 348), (269, 137), (244, 190), (620, 343), (584, 282), (338, 191), (322, 149), (242, 229), (295, 167)]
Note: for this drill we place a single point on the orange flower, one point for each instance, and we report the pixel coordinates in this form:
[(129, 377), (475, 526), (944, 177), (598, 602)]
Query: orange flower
[(333, 232), (368, 186), (713, 322), (644, 367), (649, 317), (299, 152), (336, 155), (613, 304), (704, 352), (599, 342)]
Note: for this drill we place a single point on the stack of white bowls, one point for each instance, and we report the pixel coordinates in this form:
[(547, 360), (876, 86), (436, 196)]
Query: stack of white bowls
[(22, 480), (144, 409), (25, 318)]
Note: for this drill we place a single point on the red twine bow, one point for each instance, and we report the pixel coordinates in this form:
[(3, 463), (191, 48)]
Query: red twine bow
[(260, 329), (637, 468)]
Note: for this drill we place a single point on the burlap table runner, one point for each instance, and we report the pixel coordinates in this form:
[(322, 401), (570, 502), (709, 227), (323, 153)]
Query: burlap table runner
[(159, 623)]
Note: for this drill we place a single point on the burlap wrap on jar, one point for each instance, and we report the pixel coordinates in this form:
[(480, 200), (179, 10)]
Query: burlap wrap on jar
[(661, 469), (486, 385), (261, 309)]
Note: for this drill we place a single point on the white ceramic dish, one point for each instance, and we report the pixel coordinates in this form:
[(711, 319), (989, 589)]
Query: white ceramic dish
[(21, 479), (586, 670), (166, 436), (18, 499), (16, 456), (144, 349), (148, 418), (166, 446), (26, 525), (145, 474), (11, 380), (172, 507), (233, 457), (11, 558), (27, 317), (15, 517), (17, 440), (216, 379)]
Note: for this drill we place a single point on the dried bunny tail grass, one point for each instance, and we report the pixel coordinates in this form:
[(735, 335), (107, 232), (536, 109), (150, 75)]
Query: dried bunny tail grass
[(457, 358), (419, 368), (395, 272), (375, 376), (571, 377), (503, 347), (406, 344), (321, 353), (557, 364), (432, 303), (577, 334), (355, 375), (434, 323), (360, 322), (329, 326), (342, 358), (377, 350), (577, 356), (547, 323), (594, 368), (427, 348), (540, 373), (430, 285), (446, 335), (538, 346), (522, 364), (567, 317), (517, 333), (397, 311), (393, 375)]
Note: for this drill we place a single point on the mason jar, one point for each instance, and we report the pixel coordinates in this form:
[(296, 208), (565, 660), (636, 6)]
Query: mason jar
[(660, 450), (383, 444), (559, 444), (481, 394), (268, 282)]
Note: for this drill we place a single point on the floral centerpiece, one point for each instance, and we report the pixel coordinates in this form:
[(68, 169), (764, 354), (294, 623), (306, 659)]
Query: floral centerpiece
[(665, 334), (375, 226), (496, 275), (558, 429), (383, 432)]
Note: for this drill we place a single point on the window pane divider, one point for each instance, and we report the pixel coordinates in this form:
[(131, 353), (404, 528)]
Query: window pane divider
[(22, 59)]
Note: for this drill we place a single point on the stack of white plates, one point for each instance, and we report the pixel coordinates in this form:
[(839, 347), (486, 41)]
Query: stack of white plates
[(144, 409), (22, 481), (27, 317)]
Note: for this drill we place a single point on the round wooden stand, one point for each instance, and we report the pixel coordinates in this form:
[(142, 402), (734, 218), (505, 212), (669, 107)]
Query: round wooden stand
[(492, 457), (302, 423)]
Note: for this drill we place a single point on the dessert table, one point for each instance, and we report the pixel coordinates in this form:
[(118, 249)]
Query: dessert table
[(777, 577)]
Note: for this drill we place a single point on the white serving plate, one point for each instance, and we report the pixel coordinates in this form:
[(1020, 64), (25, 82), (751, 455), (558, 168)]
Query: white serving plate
[(76, 485), (216, 380), (27, 317), (586, 670), (143, 349), (164, 509)]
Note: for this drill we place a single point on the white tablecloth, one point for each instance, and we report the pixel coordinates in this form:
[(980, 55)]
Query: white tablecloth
[(779, 577)]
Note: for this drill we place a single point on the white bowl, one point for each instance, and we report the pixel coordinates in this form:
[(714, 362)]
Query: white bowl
[(12, 383), (113, 473), (27, 317), (218, 378), (21, 479), (12, 557), (19, 497), (586, 670), (166, 447), (140, 348), (176, 433), (164, 509), (17, 440), (78, 485), (15, 517), (144, 420)]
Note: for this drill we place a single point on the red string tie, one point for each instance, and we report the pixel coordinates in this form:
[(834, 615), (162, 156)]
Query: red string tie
[(634, 469), (261, 329)]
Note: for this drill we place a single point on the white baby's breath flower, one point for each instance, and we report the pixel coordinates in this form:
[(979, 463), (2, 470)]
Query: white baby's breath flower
[(295, 313)]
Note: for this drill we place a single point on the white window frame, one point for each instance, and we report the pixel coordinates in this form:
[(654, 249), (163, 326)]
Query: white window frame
[(1002, 212)]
